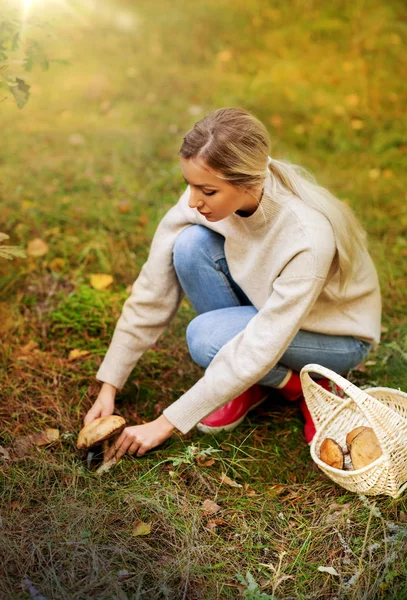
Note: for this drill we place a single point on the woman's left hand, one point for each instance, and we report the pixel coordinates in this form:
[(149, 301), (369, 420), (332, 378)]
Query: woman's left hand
[(141, 438)]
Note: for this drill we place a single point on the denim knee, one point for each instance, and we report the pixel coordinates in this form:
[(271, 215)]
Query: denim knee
[(199, 345)]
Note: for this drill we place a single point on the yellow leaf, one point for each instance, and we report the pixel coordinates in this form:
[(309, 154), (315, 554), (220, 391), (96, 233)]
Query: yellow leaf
[(37, 247), (140, 528), (100, 281), (48, 436), (74, 354), (352, 100), (27, 203), (224, 56), (57, 264), (374, 173), (229, 481), (357, 124)]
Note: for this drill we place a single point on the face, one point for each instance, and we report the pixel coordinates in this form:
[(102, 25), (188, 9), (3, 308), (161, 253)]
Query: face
[(212, 196)]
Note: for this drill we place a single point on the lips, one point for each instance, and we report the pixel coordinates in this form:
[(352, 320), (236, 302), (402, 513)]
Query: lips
[(204, 214)]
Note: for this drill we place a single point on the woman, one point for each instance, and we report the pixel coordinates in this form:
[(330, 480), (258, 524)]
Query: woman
[(276, 268)]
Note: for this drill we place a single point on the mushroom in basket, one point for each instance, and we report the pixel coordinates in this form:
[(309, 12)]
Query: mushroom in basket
[(97, 432)]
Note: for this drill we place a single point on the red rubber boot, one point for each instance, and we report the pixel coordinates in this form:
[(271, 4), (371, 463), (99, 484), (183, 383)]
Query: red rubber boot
[(232, 414), (292, 391)]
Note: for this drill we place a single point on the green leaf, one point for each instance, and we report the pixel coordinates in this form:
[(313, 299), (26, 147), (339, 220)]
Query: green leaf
[(20, 92), (28, 63), (4, 236)]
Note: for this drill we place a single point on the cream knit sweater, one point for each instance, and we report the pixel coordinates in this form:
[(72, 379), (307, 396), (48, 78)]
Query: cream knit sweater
[(283, 258)]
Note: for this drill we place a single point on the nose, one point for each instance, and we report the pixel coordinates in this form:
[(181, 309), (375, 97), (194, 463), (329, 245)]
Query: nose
[(195, 200)]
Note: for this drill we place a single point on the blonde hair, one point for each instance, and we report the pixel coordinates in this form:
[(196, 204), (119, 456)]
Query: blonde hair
[(235, 143)]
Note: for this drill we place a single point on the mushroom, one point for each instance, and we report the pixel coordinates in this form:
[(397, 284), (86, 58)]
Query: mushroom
[(100, 431), (352, 434), (364, 448), (331, 453)]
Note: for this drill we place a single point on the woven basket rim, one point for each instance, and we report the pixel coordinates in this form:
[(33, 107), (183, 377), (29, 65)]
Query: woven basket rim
[(384, 389)]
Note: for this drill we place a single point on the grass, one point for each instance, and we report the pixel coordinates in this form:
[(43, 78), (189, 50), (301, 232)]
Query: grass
[(90, 166)]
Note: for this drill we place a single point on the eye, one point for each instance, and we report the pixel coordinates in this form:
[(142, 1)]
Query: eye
[(209, 193)]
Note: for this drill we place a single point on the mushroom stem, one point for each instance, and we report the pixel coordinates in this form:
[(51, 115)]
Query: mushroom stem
[(106, 464)]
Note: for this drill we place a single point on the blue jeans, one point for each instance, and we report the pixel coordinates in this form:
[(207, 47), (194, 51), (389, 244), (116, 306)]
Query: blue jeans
[(224, 310)]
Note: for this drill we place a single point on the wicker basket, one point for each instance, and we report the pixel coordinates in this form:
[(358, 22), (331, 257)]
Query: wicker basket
[(383, 409)]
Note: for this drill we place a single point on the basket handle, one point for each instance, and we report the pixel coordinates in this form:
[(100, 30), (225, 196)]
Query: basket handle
[(340, 381), (319, 401)]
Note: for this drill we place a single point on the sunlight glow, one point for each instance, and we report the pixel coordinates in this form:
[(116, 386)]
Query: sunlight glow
[(27, 6)]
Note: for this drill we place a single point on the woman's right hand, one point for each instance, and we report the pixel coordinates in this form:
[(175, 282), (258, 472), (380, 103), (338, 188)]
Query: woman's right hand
[(103, 405)]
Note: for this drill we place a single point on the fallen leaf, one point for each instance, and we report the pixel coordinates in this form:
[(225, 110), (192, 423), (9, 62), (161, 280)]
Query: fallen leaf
[(224, 56), (22, 446), (28, 348), (4, 453), (143, 220), (352, 100), (124, 206), (213, 523), (140, 528), (57, 264), (357, 124), (276, 490), (329, 570), (37, 247), (74, 354), (210, 506), (108, 181), (76, 139), (229, 481), (276, 121), (204, 462), (100, 281), (248, 491), (48, 436)]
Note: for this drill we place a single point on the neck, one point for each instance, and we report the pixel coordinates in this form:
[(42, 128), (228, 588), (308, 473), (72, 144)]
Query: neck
[(252, 203)]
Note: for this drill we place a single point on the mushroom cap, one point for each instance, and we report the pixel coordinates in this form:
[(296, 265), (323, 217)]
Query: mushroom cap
[(99, 430), (352, 434), (331, 453), (364, 449)]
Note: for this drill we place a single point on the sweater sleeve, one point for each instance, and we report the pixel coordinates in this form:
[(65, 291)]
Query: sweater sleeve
[(154, 300), (251, 354)]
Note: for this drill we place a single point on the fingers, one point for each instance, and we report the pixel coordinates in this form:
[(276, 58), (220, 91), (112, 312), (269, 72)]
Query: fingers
[(124, 443), (91, 415), (134, 447)]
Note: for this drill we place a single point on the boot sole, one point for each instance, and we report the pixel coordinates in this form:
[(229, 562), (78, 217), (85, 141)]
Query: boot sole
[(215, 430)]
